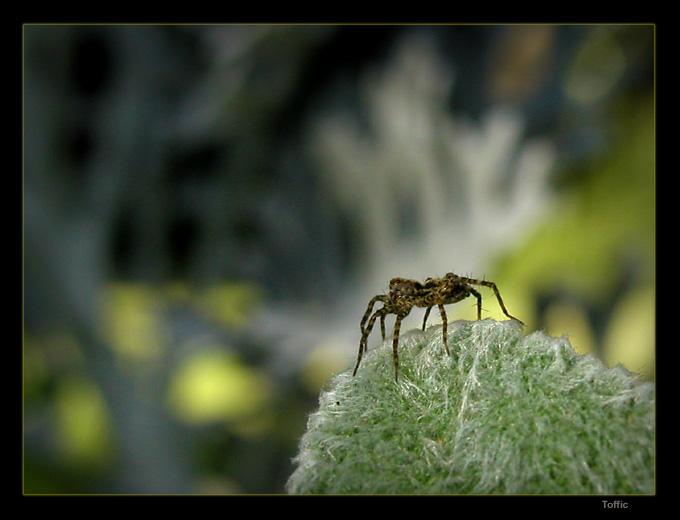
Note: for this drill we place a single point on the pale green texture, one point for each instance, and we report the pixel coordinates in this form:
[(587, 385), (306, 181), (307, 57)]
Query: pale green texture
[(505, 413)]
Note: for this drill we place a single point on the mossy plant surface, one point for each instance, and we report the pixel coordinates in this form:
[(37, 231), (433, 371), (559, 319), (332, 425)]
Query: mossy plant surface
[(505, 413)]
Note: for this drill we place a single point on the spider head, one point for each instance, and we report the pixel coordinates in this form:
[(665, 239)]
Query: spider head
[(401, 287)]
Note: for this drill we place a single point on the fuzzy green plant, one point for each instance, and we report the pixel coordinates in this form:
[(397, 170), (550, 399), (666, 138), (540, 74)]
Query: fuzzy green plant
[(505, 413)]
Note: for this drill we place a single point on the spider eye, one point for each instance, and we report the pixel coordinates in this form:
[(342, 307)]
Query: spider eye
[(396, 286)]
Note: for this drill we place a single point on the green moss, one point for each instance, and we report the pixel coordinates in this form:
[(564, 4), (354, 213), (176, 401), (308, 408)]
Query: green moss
[(505, 413)]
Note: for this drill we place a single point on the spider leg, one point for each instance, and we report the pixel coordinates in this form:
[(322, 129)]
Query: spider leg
[(444, 326), (369, 310), (479, 302), (395, 344), (382, 326), (427, 313), (495, 290), (364, 335)]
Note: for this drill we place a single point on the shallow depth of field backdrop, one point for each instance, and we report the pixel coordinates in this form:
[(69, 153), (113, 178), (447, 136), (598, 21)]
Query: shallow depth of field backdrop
[(208, 209)]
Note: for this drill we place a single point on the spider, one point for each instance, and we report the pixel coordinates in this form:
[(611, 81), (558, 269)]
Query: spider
[(405, 294)]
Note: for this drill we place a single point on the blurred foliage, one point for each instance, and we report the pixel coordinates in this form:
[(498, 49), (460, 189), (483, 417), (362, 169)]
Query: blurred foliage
[(599, 235), (82, 423), (320, 364), (605, 220), (132, 320), (631, 333), (232, 304), (213, 386), (209, 385)]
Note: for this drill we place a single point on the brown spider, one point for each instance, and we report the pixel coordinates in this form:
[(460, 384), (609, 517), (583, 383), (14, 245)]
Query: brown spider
[(406, 294)]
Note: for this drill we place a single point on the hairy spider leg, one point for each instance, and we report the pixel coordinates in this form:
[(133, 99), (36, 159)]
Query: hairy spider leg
[(495, 290), (364, 336), (479, 302), (442, 312), (427, 313), (369, 310), (382, 326), (395, 344)]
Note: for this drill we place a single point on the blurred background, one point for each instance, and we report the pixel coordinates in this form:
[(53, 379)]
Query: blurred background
[(208, 210)]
